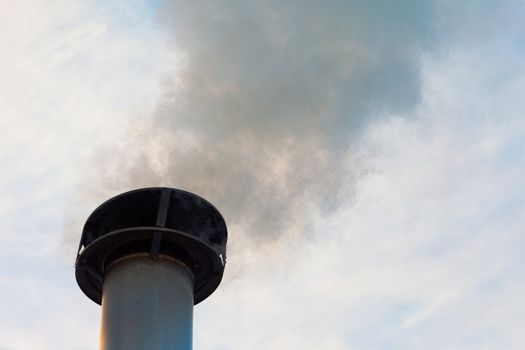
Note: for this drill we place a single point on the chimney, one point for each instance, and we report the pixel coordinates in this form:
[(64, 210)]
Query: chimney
[(147, 256)]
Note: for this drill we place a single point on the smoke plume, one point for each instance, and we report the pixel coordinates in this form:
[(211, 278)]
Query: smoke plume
[(267, 104)]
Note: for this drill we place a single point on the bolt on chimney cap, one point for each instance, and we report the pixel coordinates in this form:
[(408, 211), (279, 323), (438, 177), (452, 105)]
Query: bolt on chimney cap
[(157, 221)]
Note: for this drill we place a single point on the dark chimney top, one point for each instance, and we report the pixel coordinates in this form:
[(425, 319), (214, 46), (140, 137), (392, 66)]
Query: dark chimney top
[(157, 221)]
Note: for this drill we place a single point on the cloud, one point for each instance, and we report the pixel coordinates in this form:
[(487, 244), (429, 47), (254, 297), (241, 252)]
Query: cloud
[(68, 77), (428, 255), (382, 145)]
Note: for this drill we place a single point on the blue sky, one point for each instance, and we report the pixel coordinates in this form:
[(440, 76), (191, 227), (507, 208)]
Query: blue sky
[(368, 159)]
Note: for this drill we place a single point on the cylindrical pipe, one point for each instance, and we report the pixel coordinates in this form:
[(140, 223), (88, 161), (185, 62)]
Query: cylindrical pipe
[(147, 304)]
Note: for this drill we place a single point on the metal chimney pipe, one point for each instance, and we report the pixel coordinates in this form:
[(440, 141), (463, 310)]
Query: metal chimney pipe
[(147, 304), (147, 256)]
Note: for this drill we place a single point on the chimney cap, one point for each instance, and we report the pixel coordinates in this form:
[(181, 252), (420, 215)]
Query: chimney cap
[(157, 221)]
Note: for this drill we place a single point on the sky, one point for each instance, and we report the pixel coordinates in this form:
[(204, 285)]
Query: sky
[(368, 158)]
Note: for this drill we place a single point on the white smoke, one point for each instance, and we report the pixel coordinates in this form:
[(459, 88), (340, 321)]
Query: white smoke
[(266, 104)]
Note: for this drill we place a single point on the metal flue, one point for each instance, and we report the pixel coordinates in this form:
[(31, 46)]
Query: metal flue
[(147, 256)]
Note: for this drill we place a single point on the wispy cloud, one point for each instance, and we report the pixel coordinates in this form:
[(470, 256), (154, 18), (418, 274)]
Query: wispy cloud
[(428, 256), (380, 147), (68, 75)]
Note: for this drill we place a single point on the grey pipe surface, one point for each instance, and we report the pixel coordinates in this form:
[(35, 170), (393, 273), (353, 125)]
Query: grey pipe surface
[(147, 304)]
